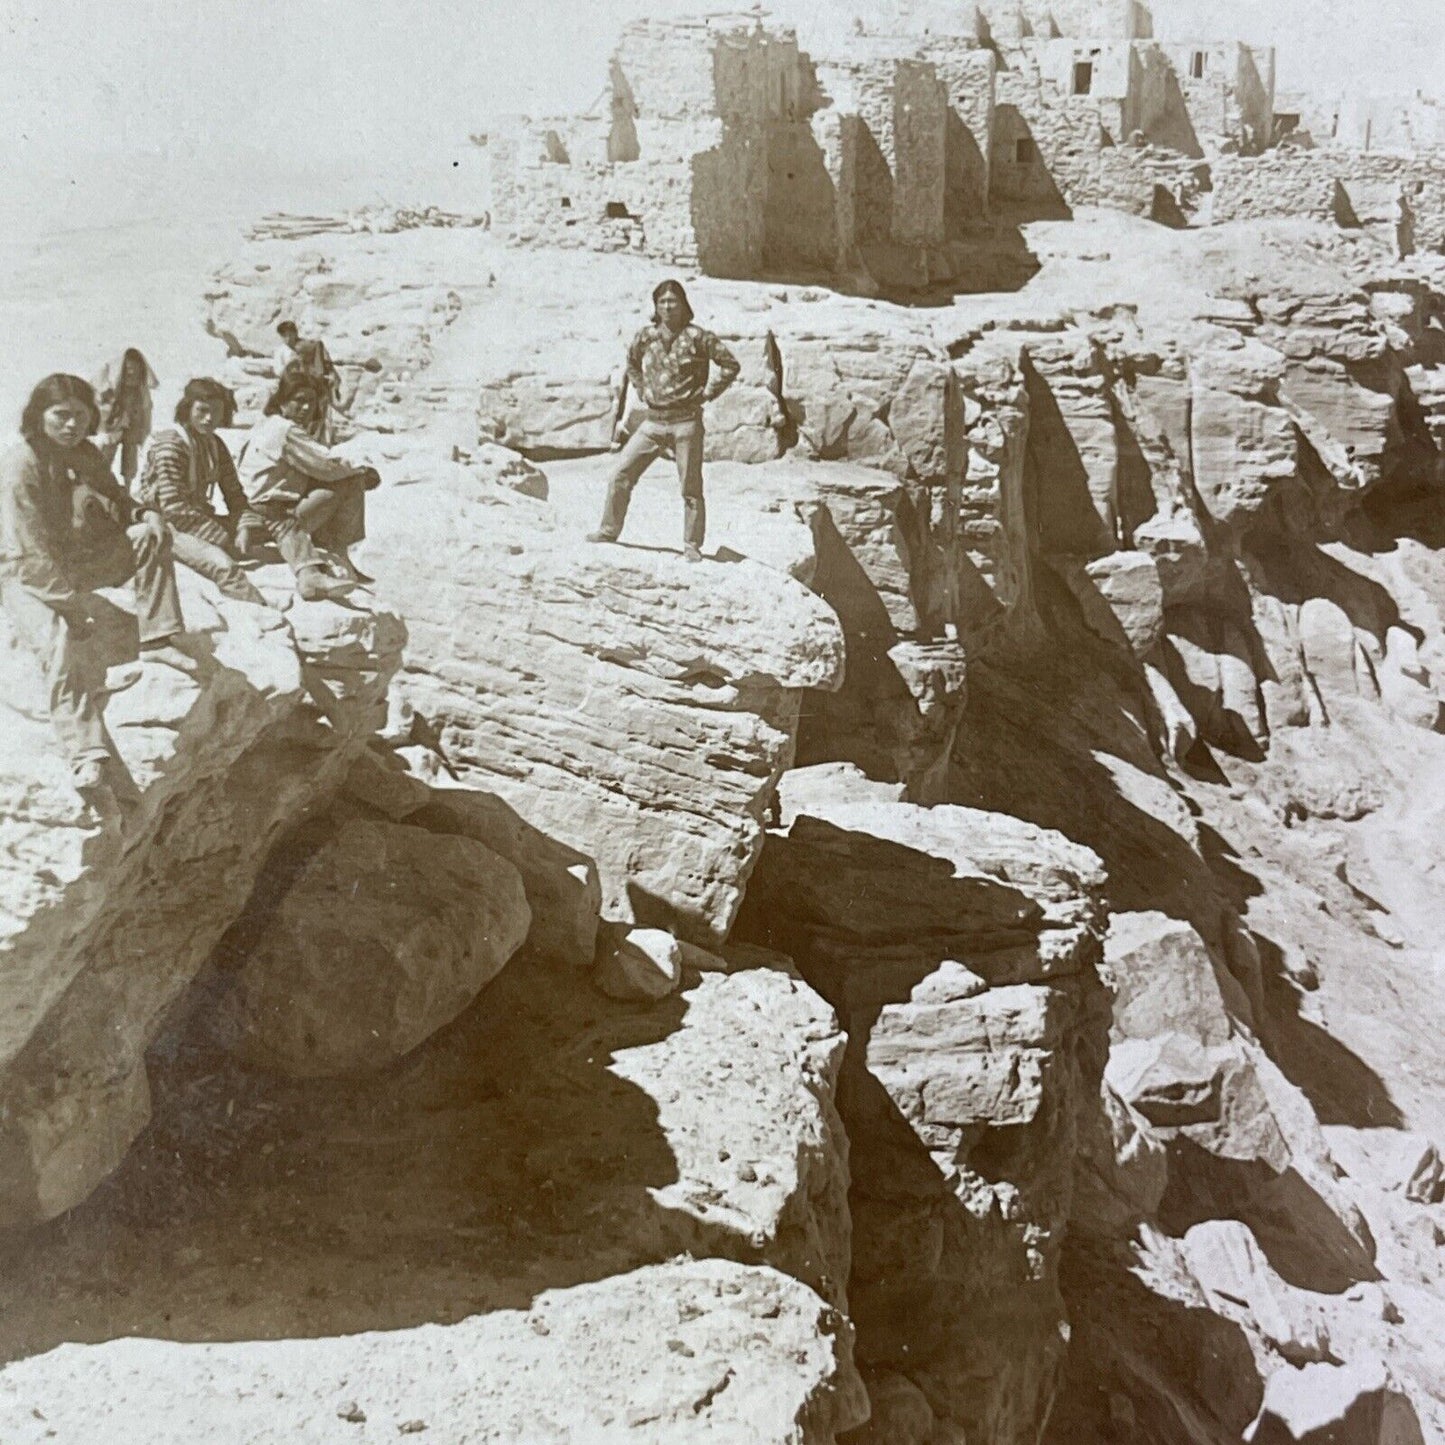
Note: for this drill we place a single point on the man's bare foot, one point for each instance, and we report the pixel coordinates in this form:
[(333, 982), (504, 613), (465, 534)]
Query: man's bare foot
[(692, 553), (600, 537), (88, 774), (349, 570), (92, 785)]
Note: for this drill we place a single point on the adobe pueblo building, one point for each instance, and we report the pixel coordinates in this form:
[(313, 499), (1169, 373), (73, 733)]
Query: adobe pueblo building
[(901, 149)]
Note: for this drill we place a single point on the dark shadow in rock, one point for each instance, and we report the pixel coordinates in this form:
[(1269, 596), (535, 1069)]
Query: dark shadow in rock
[(862, 721), (954, 1297), (1067, 514), (1142, 1366), (1381, 1414), (1303, 1239), (1295, 572), (1239, 886), (951, 1299), (866, 919), (498, 1160), (1342, 1088), (1031, 744)]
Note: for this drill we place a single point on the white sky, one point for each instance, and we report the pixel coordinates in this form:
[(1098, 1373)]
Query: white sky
[(257, 89)]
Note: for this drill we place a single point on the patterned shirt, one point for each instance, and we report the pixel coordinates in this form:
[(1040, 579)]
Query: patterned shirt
[(669, 373), (181, 472)]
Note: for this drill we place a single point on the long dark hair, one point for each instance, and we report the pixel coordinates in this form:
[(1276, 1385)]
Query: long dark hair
[(141, 365), (205, 388), (673, 288), (292, 384), (58, 387)]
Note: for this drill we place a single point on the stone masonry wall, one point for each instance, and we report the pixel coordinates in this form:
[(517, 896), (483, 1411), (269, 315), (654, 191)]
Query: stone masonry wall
[(723, 169), (1018, 19), (920, 109), (968, 77), (1349, 185), (1046, 140), (1231, 104)]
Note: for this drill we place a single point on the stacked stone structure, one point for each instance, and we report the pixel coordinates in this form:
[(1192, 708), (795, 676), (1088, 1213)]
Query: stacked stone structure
[(888, 148)]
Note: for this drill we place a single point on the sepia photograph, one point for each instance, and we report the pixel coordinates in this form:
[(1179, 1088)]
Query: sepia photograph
[(722, 726)]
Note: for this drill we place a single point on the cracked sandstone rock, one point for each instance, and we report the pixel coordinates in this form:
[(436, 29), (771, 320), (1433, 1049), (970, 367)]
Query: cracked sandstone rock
[(109, 919)]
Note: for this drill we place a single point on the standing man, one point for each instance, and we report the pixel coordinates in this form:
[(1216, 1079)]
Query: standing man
[(311, 357), (668, 367)]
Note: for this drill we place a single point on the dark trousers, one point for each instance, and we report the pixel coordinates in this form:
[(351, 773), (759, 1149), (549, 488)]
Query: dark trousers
[(330, 518), (684, 439)]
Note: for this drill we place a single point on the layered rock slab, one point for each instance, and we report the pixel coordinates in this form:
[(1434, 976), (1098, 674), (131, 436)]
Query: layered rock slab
[(634, 707), (960, 948), (110, 917), (547, 1139), (704, 1350)]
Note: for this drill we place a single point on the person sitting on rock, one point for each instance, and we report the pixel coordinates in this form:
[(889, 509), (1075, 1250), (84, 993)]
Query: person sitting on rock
[(668, 367), (184, 466), (310, 357), (66, 529), (309, 501)]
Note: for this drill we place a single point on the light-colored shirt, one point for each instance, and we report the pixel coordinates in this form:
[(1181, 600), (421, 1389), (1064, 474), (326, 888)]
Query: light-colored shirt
[(280, 463)]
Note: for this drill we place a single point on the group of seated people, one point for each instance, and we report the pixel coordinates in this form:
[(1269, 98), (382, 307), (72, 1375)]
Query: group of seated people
[(68, 527)]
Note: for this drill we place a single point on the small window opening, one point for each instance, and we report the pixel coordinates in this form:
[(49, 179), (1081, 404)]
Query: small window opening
[(1197, 62), (1083, 77), (566, 203), (617, 211), (1025, 151)]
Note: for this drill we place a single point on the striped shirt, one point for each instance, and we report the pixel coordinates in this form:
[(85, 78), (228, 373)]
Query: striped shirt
[(182, 471)]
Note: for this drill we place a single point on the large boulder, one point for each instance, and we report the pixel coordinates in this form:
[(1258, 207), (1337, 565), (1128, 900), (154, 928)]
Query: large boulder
[(110, 916), (631, 706), (385, 933), (1334, 1404)]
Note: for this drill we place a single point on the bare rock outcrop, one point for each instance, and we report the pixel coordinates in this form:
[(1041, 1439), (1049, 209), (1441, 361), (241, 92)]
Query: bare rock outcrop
[(960, 949), (702, 1350), (1144, 555), (628, 705), (110, 918), (383, 933)]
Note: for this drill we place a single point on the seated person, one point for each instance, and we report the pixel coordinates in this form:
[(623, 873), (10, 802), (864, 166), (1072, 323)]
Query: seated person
[(310, 356), (185, 465), (66, 529), (310, 502)]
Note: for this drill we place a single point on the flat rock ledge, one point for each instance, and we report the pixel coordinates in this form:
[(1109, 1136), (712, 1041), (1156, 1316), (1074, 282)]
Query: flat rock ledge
[(689, 1351)]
